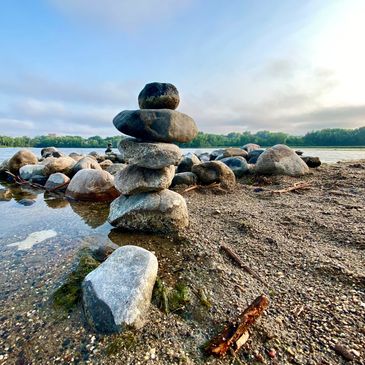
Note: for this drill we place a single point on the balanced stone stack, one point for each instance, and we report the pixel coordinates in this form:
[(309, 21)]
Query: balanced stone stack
[(146, 204)]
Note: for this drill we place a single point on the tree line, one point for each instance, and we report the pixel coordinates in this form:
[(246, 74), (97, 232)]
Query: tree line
[(326, 137)]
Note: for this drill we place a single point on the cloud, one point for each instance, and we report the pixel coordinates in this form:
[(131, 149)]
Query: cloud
[(123, 14)]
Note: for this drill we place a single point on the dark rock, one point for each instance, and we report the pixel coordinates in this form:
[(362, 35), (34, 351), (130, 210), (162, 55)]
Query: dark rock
[(254, 155), (187, 163), (312, 162), (158, 95), (184, 178), (214, 154), (237, 164), (299, 152), (50, 152), (26, 202), (215, 171), (163, 125), (38, 179)]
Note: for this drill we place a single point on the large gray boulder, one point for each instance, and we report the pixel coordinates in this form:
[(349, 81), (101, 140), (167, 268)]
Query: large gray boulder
[(184, 178), (26, 172), (187, 162), (158, 95), (237, 164), (21, 158), (63, 164), (280, 160), (86, 163), (134, 179), (163, 125), (56, 179), (117, 295), (215, 172), (161, 212), (149, 155), (92, 185)]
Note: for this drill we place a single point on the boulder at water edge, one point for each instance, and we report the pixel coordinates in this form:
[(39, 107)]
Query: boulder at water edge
[(51, 152), (162, 125), (86, 163), (62, 164), (251, 147), (56, 179), (312, 162), (280, 160), (187, 163), (164, 211), (92, 185), (134, 179), (237, 164), (158, 95), (232, 151), (21, 158), (26, 172), (215, 172), (149, 155), (117, 295)]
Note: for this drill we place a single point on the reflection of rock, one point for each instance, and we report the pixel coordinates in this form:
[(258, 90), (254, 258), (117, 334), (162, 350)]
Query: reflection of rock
[(23, 192), (93, 214), (26, 202), (5, 195), (55, 202)]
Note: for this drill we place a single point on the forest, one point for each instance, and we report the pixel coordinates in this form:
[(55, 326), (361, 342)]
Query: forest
[(332, 137)]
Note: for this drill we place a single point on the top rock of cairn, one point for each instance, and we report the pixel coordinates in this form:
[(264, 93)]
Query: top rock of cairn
[(157, 95)]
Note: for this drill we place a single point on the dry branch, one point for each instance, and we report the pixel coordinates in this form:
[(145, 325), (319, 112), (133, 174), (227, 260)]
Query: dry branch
[(238, 260), (235, 334), (301, 185), (211, 186)]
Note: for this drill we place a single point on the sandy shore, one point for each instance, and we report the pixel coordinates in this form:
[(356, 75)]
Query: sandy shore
[(308, 247)]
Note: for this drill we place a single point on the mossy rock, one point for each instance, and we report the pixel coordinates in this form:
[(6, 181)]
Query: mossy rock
[(68, 295)]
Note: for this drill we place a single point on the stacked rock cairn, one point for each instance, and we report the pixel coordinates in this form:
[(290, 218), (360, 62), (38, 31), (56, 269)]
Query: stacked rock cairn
[(146, 204)]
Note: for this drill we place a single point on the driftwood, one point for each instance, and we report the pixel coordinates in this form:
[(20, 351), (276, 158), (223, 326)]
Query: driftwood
[(235, 334), (211, 186), (18, 180), (238, 261), (301, 185)]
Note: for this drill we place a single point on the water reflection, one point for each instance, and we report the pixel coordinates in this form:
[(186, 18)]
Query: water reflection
[(5, 194), (93, 214), (55, 201), (17, 192)]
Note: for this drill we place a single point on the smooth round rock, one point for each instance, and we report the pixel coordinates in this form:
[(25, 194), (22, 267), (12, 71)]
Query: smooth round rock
[(62, 164), (237, 164), (251, 147), (134, 179), (51, 152), (26, 172), (86, 163), (21, 158), (162, 125), (215, 172), (280, 160), (311, 162), (158, 95), (161, 212), (92, 185), (56, 179), (149, 155), (232, 151)]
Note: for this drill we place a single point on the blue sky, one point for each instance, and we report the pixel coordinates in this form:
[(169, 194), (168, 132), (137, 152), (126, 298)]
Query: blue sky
[(68, 66)]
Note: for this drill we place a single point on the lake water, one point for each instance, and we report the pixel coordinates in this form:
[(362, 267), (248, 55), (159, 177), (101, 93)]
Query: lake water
[(329, 155)]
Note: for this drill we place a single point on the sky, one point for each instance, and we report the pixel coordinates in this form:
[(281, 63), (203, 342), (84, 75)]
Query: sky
[(69, 66)]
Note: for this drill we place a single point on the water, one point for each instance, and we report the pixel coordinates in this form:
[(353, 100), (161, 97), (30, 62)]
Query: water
[(328, 155)]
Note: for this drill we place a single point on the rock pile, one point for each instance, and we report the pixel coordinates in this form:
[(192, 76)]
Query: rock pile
[(146, 204)]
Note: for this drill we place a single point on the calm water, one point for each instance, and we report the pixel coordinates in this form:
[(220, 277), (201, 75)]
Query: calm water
[(329, 155)]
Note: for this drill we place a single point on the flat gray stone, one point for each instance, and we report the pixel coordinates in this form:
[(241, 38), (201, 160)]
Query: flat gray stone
[(162, 125), (116, 167), (161, 212), (134, 179), (280, 160), (26, 172), (117, 294), (149, 155)]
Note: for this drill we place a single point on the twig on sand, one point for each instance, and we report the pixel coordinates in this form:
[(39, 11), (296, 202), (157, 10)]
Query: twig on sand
[(211, 186), (238, 260), (301, 185), (235, 334)]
